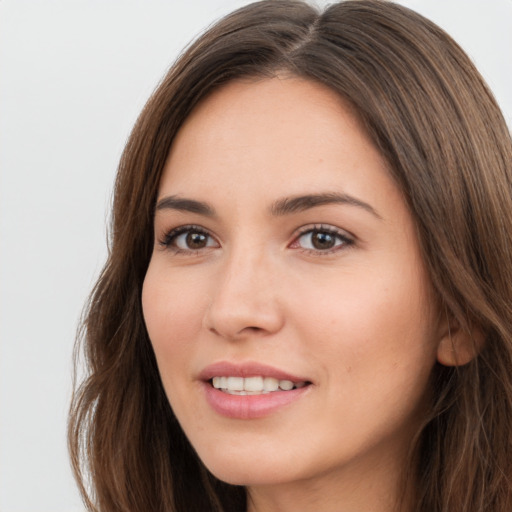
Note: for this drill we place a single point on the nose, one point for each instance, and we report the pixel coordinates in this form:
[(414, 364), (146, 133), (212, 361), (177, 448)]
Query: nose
[(245, 298)]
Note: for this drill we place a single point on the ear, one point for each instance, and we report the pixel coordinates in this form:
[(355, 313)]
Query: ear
[(458, 346)]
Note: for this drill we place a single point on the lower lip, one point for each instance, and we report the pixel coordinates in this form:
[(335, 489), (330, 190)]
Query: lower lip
[(247, 407)]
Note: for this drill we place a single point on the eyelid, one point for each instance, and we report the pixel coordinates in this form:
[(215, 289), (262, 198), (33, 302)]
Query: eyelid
[(168, 236), (347, 238)]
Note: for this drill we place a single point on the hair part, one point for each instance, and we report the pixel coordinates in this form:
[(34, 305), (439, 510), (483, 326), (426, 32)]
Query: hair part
[(429, 112)]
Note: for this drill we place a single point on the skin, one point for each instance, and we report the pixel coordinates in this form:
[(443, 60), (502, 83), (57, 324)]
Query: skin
[(358, 320)]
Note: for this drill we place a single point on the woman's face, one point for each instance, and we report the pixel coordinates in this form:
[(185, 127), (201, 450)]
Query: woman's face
[(285, 257)]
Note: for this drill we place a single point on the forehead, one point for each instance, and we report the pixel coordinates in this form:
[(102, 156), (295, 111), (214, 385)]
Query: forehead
[(279, 136)]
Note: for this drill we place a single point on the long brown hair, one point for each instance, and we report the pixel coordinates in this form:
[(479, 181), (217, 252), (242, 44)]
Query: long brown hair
[(429, 112)]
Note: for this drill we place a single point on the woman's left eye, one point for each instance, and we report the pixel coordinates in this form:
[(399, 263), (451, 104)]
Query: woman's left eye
[(322, 240)]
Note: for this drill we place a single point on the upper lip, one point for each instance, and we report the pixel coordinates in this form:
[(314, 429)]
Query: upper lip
[(247, 369)]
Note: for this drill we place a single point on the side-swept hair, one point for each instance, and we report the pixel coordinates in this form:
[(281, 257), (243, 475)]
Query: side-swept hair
[(429, 112)]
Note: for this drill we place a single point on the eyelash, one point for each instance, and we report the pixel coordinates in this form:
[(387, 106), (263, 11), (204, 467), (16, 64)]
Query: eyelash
[(170, 237), (341, 236), (344, 241)]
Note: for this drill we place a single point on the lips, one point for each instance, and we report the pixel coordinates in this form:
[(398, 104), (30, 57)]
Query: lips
[(250, 390)]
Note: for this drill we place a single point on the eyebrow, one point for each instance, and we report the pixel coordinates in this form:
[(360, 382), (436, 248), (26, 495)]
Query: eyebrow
[(281, 207), (296, 204), (185, 205)]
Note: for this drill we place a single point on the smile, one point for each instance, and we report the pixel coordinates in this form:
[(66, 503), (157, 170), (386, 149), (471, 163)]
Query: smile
[(257, 385), (251, 390)]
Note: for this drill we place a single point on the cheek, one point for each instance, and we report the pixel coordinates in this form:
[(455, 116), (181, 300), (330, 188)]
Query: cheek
[(376, 326), (376, 348), (172, 309), (365, 302)]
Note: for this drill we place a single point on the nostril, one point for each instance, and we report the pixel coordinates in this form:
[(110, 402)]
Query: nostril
[(245, 331), (236, 319)]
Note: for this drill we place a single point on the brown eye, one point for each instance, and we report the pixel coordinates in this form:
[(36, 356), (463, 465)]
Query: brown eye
[(188, 239), (322, 240), (196, 240)]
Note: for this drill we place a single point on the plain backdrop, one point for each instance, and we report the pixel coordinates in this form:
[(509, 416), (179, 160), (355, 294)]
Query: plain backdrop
[(74, 74)]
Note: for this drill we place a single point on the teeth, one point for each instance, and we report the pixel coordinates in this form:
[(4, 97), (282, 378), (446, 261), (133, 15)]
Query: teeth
[(235, 383), (286, 385), (270, 384), (253, 385)]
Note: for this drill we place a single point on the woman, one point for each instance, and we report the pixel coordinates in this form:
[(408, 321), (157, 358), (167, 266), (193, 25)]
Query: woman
[(307, 304)]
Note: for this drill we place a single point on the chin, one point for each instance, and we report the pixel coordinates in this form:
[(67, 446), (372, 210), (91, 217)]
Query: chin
[(238, 467), (236, 478), (244, 476)]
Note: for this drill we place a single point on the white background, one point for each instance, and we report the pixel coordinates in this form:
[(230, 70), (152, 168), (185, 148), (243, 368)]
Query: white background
[(74, 74)]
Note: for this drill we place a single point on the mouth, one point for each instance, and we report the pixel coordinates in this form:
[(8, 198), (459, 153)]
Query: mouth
[(255, 385), (251, 390)]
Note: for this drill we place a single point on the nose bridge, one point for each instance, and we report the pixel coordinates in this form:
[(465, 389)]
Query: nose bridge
[(244, 299)]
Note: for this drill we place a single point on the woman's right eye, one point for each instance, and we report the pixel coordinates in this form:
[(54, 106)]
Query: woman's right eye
[(188, 239)]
